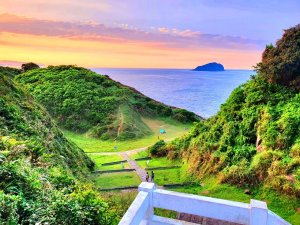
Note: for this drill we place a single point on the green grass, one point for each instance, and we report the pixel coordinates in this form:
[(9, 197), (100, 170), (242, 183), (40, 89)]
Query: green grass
[(119, 201), (170, 176), (110, 180), (284, 206), (89, 144), (141, 154), (167, 176), (100, 159), (158, 162)]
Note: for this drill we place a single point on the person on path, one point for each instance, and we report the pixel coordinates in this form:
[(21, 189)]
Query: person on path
[(152, 176), (147, 177)]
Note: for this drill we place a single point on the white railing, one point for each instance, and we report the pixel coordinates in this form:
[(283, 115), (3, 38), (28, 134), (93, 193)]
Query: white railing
[(141, 210)]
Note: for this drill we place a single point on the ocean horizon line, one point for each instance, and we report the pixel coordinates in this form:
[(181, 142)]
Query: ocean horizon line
[(142, 68)]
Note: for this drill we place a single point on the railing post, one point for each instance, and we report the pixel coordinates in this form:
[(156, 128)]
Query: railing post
[(148, 187), (258, 213)]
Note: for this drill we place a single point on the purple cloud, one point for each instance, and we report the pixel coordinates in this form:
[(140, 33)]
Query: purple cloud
[(164, 37)]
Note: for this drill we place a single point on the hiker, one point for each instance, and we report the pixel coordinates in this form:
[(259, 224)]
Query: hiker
[(147, 177), (122, 165), (152, 176)]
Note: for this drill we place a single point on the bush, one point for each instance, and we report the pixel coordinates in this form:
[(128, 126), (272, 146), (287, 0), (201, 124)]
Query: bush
[(30, 195), (183, 115), (262, 161), (29, 66), (238, 174), (9, 208), (158, 149)]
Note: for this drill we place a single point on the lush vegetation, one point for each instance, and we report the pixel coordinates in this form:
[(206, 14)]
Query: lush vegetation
[(281, 64), (41, 172), (85, 102), (8, 71), (254, 140)]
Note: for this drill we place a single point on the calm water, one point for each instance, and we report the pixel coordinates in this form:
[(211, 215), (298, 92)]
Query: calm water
[(199, 92)]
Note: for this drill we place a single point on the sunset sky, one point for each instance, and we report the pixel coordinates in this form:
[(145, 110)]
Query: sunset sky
[(142, 33)]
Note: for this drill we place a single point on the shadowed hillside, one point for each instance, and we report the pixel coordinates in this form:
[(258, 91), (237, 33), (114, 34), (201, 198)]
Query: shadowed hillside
[(41, 172)]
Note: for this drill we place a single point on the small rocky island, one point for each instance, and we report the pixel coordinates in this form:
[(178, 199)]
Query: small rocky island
[(213, 66)]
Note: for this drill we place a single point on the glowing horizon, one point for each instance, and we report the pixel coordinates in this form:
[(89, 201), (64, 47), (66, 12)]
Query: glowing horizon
[(134, 35)]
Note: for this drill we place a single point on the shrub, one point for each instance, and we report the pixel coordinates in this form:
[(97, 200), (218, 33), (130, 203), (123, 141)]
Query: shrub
[(9, 208), (183, 115), (262, 161), (29, 66), (158, 149), (238, 174)]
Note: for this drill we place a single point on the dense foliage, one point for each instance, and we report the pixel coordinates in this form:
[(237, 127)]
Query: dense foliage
[(281, 64), (83, 101), (254, 139), (9, 71), (27, 129), (29, 66), (41, 172)]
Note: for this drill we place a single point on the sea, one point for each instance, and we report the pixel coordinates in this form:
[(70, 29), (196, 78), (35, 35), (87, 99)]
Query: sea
[(198, 91)]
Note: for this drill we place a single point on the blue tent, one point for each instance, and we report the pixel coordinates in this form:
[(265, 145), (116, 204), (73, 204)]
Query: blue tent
[(162, 131)]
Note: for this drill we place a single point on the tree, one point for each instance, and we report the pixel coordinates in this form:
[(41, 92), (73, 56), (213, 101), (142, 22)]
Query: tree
[(281, 63), (29, 66)]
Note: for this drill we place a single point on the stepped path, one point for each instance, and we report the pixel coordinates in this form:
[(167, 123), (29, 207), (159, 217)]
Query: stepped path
[(133, 165)]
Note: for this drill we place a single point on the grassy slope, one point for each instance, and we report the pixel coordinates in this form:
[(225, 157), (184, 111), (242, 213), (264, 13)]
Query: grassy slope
[(110, 180), (100, 159), (173, 129), (158, 162), (24, 122), (85, 102), (259, 114), (41, 172), (254, 140)]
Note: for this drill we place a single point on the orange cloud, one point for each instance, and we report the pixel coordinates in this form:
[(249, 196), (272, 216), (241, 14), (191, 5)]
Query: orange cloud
[(61, 50), (96, 45)]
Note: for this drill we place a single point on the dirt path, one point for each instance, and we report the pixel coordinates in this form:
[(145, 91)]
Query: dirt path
[(133, 165), (121, 122)]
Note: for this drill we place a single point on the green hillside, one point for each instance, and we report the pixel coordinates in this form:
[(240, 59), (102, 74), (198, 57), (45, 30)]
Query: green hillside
[(85, 102), (254, 140), (41, 172), (8, 71)]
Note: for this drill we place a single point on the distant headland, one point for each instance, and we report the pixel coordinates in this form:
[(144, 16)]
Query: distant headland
[(213, 66)]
